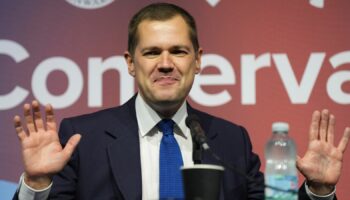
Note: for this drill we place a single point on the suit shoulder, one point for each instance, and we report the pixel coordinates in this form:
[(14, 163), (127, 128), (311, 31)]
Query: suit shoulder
[(95, 115), (215, 122), (126, 110)]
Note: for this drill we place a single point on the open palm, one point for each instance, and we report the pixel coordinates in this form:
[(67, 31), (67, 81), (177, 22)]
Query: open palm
[(322, 163), (42, 153)]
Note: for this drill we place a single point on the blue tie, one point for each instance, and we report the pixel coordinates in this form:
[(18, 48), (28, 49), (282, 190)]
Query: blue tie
[(170, 161)]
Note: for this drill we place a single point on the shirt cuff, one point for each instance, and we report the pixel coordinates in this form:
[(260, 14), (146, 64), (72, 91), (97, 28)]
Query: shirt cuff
[(27, 193), (313, 196)]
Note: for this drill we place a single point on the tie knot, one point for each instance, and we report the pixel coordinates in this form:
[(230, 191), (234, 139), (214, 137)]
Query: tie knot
[(166, 126)]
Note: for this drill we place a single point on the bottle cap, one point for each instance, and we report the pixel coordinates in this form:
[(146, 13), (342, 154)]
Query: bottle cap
[(280, 127)]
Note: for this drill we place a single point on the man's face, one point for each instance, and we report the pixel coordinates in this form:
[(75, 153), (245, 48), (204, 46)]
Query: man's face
[(164, 63)]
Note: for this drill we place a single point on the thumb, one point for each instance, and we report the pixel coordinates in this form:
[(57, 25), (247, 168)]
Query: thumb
[(298, 158), (300, 166), (71, 145), (298, 162)]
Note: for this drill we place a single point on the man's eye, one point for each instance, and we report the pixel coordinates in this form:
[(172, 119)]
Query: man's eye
[(179, 52), (151, 53)]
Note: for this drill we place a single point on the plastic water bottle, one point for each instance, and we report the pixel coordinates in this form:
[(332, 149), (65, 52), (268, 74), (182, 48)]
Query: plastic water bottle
[(280, 169)]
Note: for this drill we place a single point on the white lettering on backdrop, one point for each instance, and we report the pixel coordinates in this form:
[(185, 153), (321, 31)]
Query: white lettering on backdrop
[(298, 93)]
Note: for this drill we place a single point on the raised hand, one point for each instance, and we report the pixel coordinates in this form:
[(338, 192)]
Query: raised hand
[(43, 155), (322, 163)]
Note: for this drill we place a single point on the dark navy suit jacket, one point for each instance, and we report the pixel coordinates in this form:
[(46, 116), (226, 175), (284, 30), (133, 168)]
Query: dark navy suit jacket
[(106, 163)]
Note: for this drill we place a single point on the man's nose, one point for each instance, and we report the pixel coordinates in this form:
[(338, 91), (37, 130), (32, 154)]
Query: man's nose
[(165, 63)]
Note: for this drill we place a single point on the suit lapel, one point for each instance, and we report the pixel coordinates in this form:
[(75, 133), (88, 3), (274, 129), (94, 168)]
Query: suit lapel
[(124, 152)]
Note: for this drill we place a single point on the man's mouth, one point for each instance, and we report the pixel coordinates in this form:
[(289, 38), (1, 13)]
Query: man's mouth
[(166, 80)]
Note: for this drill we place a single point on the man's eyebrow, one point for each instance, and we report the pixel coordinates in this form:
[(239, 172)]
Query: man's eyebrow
[(175, 47), (150, 48), (181, 47)]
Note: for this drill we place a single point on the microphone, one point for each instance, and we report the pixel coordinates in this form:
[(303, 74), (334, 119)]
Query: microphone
[(198, 135)]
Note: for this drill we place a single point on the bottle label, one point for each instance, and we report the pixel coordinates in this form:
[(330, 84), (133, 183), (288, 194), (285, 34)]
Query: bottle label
[(283, 182)]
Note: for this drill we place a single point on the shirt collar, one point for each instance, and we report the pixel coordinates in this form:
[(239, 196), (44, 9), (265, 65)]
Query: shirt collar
[(147, 118)]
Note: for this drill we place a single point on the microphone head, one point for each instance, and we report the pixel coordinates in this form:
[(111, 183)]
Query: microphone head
[(190, 119), (192, 122)]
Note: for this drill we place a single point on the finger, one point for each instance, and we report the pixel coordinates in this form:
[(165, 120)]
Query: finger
[(28, 118), (71, 145), (314, 126), (19, 129), (50, 118), (38, 121), (330, 133), (324, 124), (344, 140)]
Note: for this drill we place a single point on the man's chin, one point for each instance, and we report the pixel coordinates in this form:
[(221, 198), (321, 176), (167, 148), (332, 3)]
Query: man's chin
[(168, 100), (165, 98)]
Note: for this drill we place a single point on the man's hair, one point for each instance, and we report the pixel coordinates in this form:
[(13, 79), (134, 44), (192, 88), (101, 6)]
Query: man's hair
[(160, 12)]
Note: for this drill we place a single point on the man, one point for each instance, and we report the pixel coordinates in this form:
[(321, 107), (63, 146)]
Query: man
[(119, 155)]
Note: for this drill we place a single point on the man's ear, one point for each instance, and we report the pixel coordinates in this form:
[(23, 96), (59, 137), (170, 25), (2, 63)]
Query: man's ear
[(130, 63), (199, 60)]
